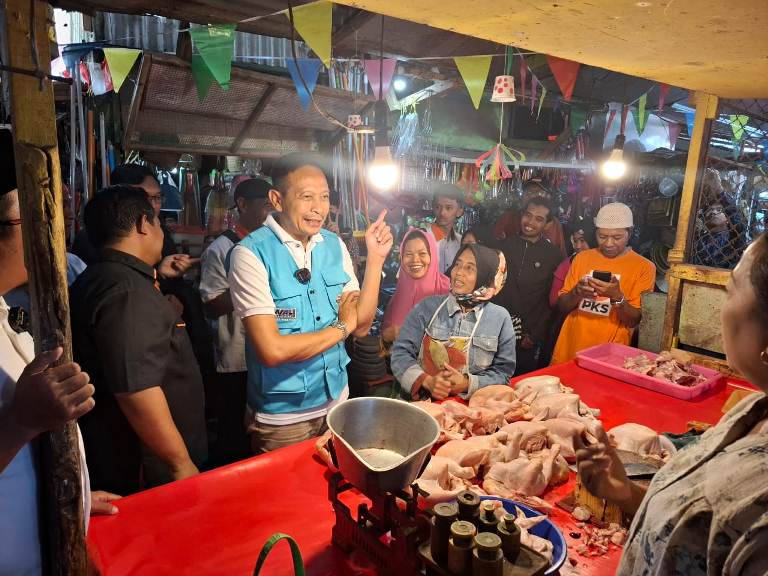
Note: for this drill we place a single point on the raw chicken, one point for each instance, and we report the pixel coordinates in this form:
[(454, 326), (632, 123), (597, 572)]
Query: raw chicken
[(534, 435), (520, 476), (493, 393), (554, 466), (641, 440), (449, 428), (438, 463), (537, 543), (439, 483), (562, 406), (474, 451), (564, 431), (321, 449), (474, 421), (528, 389)]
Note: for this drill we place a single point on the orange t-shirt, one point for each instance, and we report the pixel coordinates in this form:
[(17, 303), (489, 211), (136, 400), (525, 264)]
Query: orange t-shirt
[(437, 232), (595, 322)]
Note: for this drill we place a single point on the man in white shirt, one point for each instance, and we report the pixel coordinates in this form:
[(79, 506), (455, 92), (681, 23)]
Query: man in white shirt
[(253, 206), (448, 207), (34, 398), (293, 284)]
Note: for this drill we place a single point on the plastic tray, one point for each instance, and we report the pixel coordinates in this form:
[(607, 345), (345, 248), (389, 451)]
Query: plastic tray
[(608, 359), (545, 529)]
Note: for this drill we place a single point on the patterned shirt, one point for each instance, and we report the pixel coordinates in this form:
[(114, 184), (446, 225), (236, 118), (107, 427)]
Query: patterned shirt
[(706, 511)]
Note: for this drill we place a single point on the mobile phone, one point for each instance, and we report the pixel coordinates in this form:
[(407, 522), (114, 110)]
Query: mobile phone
[(602, 275)]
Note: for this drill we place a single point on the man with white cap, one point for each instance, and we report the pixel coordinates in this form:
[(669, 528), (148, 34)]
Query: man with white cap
[(601, 294)]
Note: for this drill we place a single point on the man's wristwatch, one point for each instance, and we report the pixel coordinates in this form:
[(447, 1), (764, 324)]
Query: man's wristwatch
[(341, 326)]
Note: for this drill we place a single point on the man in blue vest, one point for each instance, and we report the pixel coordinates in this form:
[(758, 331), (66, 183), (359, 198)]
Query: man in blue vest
[(293, 284)]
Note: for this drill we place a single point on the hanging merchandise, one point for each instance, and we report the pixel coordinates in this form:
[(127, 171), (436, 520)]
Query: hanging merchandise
[(190, 192), (217, 205)]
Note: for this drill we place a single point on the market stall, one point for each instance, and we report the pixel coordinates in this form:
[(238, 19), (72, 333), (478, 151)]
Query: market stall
[(217, 523)]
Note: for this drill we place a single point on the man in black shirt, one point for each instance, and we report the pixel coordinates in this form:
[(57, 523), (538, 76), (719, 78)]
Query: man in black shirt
[(148, 422), (531, 263)]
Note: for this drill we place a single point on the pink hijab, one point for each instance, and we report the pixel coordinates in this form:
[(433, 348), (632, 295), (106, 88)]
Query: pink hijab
[(410, 292)]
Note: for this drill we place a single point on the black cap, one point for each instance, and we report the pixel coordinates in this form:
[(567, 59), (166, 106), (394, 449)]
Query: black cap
[(252, 189), (7, 162)]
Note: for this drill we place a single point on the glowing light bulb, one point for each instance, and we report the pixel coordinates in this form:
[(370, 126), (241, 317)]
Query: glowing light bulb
[(615, 167), (383, 173), (399, 84)]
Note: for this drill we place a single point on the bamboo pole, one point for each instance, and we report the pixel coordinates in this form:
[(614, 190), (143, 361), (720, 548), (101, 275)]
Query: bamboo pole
[(29, 26)]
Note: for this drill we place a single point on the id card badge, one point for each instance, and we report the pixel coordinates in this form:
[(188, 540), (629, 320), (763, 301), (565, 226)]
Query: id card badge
[(596, 306)]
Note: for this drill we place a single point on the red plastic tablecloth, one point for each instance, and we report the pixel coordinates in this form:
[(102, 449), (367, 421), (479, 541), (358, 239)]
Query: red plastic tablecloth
[(217, 522)]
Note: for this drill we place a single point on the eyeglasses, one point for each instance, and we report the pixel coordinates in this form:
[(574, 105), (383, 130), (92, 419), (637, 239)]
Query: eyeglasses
[(303, 275), (12, 222)]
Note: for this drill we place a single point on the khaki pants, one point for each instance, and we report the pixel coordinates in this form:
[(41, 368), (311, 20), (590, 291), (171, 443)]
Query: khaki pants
[(267, 437)]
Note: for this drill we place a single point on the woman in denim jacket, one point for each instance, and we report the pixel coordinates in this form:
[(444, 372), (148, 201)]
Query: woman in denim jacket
[(451, 346)]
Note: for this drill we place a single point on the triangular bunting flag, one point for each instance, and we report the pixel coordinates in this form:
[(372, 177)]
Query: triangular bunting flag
[(689, 120), (474, 72), (202, 75), (216, 45), (377, 73), (624, 111), (738, 122), (314, 22), (578, 118), (523, 76), (120, 62), (674, 131), (641, 117), (663, 89), (541, 101), (534, 85), (310, 69), (565, 72)]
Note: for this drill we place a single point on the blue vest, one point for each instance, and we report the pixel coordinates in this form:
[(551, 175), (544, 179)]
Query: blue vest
[(300, 308)]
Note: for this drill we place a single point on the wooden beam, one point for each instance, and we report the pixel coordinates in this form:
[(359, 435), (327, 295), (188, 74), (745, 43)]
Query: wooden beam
[(706, 111), (254, 117), (28, 30), (357, 20)]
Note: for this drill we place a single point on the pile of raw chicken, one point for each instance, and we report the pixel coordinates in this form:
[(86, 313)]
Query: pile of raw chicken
[(675, 366), (516, 443)]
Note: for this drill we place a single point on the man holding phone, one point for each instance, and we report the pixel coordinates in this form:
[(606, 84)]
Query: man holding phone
[(601, 294)]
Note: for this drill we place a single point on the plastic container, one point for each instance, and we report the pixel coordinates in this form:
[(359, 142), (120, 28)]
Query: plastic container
[(545, 529), (608, 359)]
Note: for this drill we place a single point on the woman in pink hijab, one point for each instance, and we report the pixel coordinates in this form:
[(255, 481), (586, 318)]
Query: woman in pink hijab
[(419, 277)]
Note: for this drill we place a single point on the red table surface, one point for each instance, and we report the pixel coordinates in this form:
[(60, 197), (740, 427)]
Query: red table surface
[(217, 522)]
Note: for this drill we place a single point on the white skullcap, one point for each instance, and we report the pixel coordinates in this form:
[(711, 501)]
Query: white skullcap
[(614, 215)]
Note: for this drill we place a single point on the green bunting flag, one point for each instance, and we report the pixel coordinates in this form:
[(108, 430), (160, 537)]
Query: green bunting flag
[(578, 118), (216, 45), (202, 75), (474, 72), (541, 101), (642, 115), (738, 122)]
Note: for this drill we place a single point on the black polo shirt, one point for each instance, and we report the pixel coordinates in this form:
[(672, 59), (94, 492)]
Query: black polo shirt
[(530, 270), (128, 338)]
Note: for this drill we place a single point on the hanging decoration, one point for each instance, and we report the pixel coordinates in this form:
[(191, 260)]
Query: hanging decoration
[(641, 118), (738, 122), (310, 69), (565, 73), (314, 22), (216, 45), (380, 73), (689, 120), (674, 130), (534, 84), (202, 75), (541, 101), (663, 89), (498, 162), (120, 62), (504, 89), (474, 71), (578, 118)]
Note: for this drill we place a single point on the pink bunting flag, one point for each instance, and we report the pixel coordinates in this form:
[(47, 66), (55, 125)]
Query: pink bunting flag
[(523, 78), (624, 111), (663, 89), (674, 131), (534, 85), (565, 73), (378, 75)]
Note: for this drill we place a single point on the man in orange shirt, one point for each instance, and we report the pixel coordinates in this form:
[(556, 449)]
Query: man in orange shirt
[(448, 206), (601, 311)]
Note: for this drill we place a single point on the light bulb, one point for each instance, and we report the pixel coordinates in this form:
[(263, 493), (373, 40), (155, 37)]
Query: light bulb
[(615, 167), (399, 84), (383, 173)]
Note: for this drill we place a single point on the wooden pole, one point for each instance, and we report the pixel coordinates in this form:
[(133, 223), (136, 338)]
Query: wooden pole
[(29, 28)]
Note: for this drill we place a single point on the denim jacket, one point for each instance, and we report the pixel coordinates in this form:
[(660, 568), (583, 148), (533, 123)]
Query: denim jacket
[(491, 352)]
